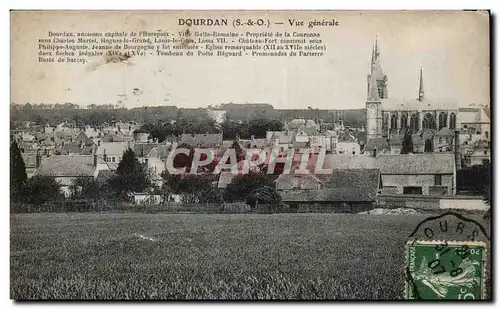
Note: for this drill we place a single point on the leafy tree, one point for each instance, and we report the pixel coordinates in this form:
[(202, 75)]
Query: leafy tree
[(193, 188), (474, 179), (39, 190), (407, 146), (17, 171), (132, 176), (86, 188), (242, 185)]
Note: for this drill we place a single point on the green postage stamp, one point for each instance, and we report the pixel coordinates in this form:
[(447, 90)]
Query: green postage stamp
[(445, 270)]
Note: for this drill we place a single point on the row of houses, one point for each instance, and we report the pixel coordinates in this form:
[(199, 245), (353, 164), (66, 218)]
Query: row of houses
[(359, 179)]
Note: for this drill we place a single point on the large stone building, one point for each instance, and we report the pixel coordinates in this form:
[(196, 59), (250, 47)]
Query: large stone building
[(431, 122)]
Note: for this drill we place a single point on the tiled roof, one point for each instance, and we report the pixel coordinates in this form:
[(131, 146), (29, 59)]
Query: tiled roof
[(113, 166), (81, 137), (68, 166), (358, 185), (487, 111), (379, 143), (417, 164), (75, 148), (347, 137), (143, 149), (287, 180), (348, 161), (104, 175), (468, 115), (415, 105)]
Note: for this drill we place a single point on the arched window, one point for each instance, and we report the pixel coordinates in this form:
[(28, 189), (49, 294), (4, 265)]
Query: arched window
[(414, 123), (429, 121), (443, 117), (394, 122), (428, 146), (453, 121), (404, 121)]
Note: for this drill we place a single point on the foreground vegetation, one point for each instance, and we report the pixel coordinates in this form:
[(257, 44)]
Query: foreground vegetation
[(190, 256)]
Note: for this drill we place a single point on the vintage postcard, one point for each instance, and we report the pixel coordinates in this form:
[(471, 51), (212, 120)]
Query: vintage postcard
[(250, 155)]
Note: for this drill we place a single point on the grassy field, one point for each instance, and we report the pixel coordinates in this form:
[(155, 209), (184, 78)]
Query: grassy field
[(190, 256)]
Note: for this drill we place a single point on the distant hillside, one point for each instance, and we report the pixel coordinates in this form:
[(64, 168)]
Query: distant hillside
[(53, 114)]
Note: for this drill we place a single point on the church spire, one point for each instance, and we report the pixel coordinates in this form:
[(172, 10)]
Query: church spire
[(373, 58), (421, 92), (373, 95)]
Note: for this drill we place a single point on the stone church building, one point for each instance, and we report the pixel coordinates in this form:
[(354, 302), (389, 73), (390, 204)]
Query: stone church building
[(432, 123)]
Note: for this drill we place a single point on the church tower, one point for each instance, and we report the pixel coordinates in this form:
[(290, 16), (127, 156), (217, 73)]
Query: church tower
[(377, 90)]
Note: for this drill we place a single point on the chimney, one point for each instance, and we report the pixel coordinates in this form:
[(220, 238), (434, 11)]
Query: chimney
[(38, 159), (458, 157)]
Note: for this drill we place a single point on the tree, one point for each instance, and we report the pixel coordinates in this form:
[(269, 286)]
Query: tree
[(132, 176), (39, 190), (192, 188), (242, 185), (407, 146), (85, 188), (475, 179), (17, 171)]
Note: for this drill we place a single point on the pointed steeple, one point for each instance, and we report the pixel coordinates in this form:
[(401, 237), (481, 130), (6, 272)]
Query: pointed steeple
[(373, 59), (376, 48), (421, 92), (373, 95)]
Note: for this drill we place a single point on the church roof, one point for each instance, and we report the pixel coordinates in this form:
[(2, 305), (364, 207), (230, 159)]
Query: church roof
[(416, 105), (469, 115)]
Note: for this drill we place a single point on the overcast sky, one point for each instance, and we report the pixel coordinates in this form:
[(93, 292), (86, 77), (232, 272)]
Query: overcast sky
[(452, 48)]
